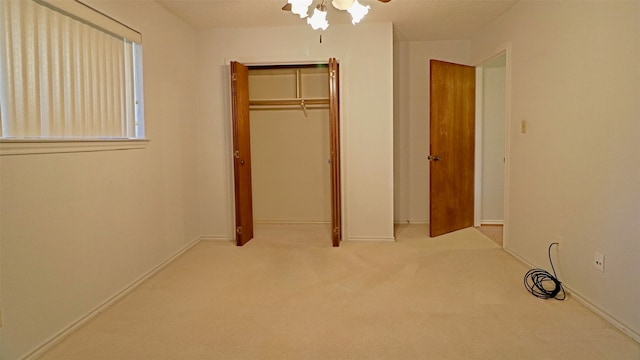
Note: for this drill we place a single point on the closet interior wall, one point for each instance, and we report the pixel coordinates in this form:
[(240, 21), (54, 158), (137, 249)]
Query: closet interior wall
[(290, 151)]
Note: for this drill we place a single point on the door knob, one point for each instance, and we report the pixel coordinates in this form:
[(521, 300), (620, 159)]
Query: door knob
[(433, 158)]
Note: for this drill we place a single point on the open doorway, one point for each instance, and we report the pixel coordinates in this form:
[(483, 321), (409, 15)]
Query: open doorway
[(290, 146), (491, 147), (286, 146), (467, 171)]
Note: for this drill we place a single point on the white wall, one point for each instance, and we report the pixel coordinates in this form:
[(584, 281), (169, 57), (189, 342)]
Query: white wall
[(77, 228), (493, 141), (411, 127), (290, 172), (365, 56), (575, 79)]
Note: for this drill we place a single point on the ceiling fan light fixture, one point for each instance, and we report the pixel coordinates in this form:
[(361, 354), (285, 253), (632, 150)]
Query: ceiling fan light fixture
[(358, 11), (342, 4), (319, 18), (300, 7)]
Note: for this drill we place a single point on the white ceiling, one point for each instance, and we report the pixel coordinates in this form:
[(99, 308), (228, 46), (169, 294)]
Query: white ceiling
[(414, 20)]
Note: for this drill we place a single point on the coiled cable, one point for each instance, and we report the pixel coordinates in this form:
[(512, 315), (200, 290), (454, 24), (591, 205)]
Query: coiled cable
[(541, 284)]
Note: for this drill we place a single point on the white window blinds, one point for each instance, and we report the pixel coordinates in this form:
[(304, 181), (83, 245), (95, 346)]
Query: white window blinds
[(63, 77)]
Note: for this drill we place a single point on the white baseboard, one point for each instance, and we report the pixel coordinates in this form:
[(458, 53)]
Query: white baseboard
[(291, 222), (55, 339), (586, 303), (519, 258), (366, 238), (603, 314), (411, 222), (491, 222), (214, 238)]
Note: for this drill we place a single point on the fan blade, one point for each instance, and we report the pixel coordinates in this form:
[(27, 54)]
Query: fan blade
[(384, 1), (287, 7)]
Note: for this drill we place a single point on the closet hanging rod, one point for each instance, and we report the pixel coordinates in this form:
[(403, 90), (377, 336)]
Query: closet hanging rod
[(287, 107), (298, 102)]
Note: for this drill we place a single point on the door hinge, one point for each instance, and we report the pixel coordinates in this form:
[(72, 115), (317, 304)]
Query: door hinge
[(336, 231), (333, 74), (234, 77), (239, 230), (236, 154)]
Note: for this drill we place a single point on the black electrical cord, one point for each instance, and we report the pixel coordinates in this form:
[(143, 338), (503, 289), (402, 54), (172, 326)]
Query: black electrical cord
[(541, 284)]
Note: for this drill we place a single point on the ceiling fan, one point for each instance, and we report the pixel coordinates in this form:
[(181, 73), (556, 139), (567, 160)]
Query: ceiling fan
[(287, 6), (319, 18)]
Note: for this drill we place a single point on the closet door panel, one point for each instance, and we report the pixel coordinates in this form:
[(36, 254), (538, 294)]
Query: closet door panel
[(334, 125), (241, 152)]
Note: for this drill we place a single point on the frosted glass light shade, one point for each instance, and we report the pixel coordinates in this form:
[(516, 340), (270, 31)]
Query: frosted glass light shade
[(358, 11), (318, 20), (342, 4), (300, 7)]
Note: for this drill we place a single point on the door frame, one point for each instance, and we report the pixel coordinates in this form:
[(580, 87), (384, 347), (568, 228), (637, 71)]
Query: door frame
[(507, 51), (341, 145)]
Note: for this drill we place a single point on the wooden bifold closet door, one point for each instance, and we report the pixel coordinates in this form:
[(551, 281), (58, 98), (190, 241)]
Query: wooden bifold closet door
[(334, 125), (242, 152)]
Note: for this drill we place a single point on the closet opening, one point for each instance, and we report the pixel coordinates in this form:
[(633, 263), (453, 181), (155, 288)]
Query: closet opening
[(286, 147)]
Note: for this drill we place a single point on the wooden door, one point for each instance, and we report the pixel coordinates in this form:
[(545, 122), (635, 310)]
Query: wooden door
[(452, 147), (241, 152), (334, 125)]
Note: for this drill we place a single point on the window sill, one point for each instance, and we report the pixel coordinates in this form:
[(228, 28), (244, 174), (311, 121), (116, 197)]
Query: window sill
[(56, 146)]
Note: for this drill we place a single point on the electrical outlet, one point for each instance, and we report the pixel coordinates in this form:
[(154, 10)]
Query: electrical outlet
[(598, 261), (559, 239)]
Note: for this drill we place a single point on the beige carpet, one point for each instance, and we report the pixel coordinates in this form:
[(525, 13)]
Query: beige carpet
[(289, 295)]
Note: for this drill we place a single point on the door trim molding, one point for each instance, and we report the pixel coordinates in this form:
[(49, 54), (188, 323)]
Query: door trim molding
[(506, 49), (477, 186)]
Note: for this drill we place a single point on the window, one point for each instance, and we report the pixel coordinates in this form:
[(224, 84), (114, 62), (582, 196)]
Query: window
[(68, 72)]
